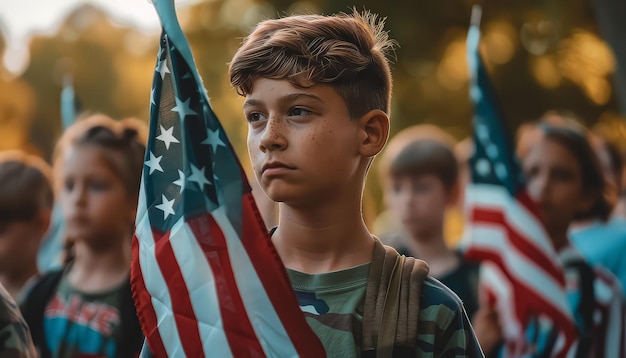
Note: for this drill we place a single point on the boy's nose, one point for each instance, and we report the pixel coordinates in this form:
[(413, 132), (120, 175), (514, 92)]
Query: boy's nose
[(273, 136), (537, 188), (79, 196)]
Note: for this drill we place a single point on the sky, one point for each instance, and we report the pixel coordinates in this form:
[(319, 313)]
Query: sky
[(19, 20)]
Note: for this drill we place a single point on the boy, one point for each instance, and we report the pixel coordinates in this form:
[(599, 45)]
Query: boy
[(317, 97), (25, 207), (420, 183)]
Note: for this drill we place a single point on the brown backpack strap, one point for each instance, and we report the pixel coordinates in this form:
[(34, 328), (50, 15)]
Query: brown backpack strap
[(391, 305)]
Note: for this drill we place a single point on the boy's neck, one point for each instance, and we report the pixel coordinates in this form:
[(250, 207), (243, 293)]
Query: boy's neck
[(96, 270), (326, 239), (14, 280)]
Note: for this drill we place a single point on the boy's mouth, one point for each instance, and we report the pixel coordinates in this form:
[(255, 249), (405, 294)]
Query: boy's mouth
[(270, 168)]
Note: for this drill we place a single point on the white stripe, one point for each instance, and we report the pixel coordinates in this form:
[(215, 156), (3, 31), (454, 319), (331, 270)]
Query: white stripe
[(493, 238), (156, 287), (517, 216), (266, 323), (200, 283), (493, 278)]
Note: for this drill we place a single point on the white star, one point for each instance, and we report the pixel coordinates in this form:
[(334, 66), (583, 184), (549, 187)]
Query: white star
[(501, 171), (482, 167), (213, 139), (181, 180), (483, 132), (167, 137), (492, 151), (183, 108), (198, 176), (152, 97), (476, 94), (166, 206), (162, 68), (154, 163)]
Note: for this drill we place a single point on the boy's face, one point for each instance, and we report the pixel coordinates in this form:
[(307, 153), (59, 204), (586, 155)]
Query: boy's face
[(19, 242), (302, 143), (419, 202), (95, 202), (554, 182)]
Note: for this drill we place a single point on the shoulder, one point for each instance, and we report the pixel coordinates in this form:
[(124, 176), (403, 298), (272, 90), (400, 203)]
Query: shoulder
[(16, 339), (443, 326), (435, 294)]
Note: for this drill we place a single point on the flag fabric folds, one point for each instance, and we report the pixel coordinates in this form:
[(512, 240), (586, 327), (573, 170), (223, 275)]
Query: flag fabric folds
[(205, 277), (520, 272)]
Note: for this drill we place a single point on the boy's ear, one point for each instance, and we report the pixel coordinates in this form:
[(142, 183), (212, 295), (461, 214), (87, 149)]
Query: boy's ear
[(43, 221), (374, 126), (453, 194)]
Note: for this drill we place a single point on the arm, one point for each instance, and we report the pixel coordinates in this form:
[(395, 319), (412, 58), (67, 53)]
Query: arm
[(443, 327), (15, 338)]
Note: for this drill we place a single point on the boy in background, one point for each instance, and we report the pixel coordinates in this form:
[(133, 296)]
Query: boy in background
[(25, 207), (420, 183)]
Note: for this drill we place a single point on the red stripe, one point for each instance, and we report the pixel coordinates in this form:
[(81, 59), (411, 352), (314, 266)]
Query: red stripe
[(523, 245), (273, 276), (531, 303), (237, 327), (184, 316), (143, 305)]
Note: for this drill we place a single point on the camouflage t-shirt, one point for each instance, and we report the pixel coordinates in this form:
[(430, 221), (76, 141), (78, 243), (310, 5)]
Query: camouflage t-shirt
[(15, 339), (333, 306)]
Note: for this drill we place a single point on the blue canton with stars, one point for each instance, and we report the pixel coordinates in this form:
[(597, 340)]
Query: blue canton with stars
[(190, 168), (494, 160)]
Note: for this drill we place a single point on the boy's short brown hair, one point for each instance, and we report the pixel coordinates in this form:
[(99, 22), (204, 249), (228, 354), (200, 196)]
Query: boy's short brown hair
[(25, 186), (426, 156), (348, 52)]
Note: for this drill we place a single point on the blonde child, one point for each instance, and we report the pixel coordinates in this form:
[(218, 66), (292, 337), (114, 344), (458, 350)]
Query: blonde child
[(87, 308)]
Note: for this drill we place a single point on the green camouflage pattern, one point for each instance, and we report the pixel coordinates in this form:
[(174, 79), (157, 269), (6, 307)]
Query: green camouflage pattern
[(333, 305), (15, 338)]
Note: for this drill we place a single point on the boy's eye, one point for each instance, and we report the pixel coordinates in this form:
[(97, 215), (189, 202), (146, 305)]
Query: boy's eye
[(299, 112), (254, 117), (421, 187), (563, 175), (98, 186), (68, 185)]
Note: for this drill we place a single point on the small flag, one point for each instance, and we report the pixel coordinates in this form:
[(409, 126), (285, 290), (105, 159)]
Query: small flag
[(70, 107), (50, 253), (520, 272), (206, 278)]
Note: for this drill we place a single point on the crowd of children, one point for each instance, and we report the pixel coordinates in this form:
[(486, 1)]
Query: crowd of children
[(317, 95)]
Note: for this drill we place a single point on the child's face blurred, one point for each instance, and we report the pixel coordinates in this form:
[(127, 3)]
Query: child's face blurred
[(555, 183), (19, 242), (94, 199), (419, 202), (302, 142)]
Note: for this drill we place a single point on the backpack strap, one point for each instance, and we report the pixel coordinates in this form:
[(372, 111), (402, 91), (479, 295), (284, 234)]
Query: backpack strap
[(34, 306), (131, 337), (391, 307)]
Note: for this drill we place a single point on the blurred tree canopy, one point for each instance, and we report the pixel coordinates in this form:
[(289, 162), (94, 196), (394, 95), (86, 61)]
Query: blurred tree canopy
[(542, 55)]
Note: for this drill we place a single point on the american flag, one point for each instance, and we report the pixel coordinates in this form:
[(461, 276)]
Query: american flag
[(205, 276), (520, 270)]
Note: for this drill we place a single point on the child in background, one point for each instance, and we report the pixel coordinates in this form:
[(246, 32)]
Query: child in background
[(421, 183), (87, 308), (25, 207), (600, 239), (317, 99), (565, 179)]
